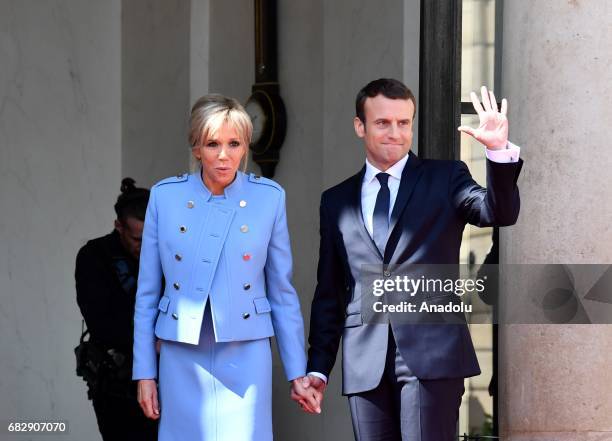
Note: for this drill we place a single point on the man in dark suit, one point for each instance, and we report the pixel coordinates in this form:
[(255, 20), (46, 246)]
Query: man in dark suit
[(403, 381)]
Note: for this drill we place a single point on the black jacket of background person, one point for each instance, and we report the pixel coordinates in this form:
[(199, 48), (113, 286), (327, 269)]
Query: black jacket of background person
[(106, 279)]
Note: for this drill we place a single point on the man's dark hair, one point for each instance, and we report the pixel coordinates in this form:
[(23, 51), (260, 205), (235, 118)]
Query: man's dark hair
[(132, 202), (389, 88)]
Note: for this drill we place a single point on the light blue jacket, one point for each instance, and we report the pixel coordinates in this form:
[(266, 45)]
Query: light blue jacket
[(233, 251)]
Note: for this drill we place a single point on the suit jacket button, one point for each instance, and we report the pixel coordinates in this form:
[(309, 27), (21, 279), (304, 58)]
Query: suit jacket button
[(176, 286), (246, 286), (246, 315), (175, 316), (348, 288)]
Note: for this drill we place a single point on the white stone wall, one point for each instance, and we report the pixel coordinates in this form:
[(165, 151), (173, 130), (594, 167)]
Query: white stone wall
[(60, 170), (363, 41), (155, 52), (199, 48)]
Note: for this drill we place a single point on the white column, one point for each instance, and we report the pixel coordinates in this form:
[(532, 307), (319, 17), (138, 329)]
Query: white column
[(554, 379)]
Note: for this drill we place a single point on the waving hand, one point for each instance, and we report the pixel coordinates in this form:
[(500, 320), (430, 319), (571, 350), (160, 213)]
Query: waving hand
[(493, 128)]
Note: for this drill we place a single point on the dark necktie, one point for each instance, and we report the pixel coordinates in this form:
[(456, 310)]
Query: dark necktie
[(380, 221)]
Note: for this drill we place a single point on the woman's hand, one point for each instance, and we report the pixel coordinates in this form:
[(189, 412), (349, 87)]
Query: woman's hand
[(147, 398)]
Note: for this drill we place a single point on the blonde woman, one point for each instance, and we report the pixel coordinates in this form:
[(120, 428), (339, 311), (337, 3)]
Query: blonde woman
[(219, 238)]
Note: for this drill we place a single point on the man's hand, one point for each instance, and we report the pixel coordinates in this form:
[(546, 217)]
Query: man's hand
[(315, 382), (147, 398), (308, 398), (493, 128)]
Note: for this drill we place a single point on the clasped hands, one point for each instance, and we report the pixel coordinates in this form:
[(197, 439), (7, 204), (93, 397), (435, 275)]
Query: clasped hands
[(308, 392)]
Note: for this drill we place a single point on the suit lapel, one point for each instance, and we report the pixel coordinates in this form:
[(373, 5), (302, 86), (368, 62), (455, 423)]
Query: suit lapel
[(410, 177), (356, 212)]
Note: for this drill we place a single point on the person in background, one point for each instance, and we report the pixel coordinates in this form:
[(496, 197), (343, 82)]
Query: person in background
[(106, 280)]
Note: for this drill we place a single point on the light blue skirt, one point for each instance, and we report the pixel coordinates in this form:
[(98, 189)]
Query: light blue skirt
[(215, 391)]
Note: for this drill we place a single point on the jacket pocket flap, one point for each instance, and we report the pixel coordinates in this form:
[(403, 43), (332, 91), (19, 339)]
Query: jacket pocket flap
[(163, 304), (262, 305), (353, 320)]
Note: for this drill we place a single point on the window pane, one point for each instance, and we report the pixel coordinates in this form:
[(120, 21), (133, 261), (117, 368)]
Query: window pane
[(476, 403), (477, 69), (478, 46), (476, 241)]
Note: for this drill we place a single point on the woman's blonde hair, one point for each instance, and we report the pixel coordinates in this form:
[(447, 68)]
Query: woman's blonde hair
[(209, 113)]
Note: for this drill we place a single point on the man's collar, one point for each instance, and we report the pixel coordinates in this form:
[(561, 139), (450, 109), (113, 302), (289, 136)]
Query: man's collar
[(395, 170)]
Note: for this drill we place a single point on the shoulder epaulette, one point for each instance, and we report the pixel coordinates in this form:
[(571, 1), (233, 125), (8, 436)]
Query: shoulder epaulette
[(173, 179), (261, 180)]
